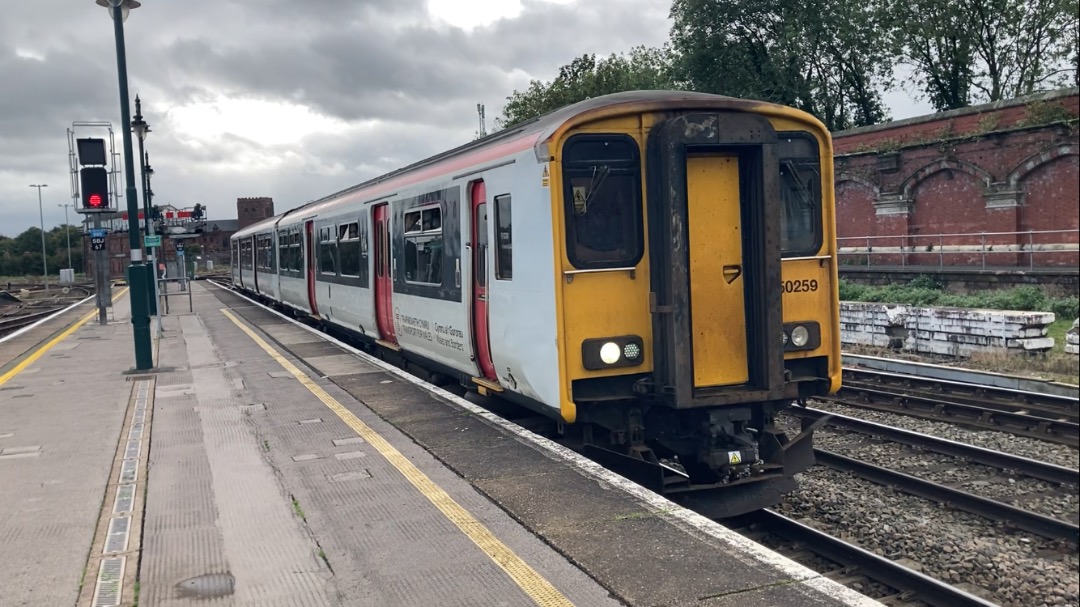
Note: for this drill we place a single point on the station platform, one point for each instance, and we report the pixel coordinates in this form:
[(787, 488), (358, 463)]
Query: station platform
[(263, 463)]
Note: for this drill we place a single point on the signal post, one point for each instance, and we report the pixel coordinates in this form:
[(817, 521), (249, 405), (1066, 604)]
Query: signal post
[(91, 193)]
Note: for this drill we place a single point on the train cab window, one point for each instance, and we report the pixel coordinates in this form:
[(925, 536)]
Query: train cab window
[(504, 239), (327, 251), (423, 246), (800, 195), (602, 192)]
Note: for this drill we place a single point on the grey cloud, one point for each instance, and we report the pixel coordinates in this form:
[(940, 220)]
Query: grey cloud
[(380, 62)]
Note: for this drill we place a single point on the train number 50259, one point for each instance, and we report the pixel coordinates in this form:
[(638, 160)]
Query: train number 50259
[(800, 286)]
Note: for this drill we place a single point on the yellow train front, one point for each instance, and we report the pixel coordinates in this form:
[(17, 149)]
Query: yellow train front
[(696, 289)]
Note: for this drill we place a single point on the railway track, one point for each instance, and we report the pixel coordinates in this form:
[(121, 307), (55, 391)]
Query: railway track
[(1047, 417), (903, 585), (987, 457), (27, 312), (857, 564), (12, 324)]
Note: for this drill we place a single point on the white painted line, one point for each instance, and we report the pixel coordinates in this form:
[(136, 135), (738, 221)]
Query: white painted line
[(43, 320), (663, 507)]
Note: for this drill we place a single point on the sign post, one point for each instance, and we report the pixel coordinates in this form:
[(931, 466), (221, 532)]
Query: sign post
[(180, 261), (101, 274)]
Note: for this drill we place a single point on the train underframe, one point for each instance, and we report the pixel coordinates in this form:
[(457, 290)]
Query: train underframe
[(721, 461)]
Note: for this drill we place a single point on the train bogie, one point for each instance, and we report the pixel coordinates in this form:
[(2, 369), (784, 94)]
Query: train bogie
[(654, 270)]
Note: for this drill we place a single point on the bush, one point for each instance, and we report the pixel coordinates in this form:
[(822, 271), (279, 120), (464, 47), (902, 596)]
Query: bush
[(925, 291), (1065, 308)]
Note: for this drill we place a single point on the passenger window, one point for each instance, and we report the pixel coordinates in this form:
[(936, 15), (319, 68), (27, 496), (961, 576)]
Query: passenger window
[(424, 246), (800, 195), (327, 251), (602, 191), (504, 239), (349, 249)]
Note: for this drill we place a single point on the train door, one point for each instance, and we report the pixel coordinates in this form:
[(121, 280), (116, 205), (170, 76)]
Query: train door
[(384, 285), (256, 257), (309, 249), (481, 275), (238, 261), (715, 224)]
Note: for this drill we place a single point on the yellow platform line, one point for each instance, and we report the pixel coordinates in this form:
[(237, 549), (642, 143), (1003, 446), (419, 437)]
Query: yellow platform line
[(539, 589), (29, 360)]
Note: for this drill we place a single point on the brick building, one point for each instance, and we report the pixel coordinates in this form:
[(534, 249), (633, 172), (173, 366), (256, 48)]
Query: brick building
[(944, 188), (212, 241), (252, 210)]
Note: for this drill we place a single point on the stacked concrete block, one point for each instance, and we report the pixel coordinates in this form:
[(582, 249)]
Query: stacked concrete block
[(1072, 339), (959, 332)]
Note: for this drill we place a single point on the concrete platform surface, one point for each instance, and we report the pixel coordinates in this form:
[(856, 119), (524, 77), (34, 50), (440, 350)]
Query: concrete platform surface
[(62, 406), (261, 494)]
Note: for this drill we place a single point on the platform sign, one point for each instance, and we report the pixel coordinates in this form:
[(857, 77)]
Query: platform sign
[(152, 240), (179, 249), (97, 238)]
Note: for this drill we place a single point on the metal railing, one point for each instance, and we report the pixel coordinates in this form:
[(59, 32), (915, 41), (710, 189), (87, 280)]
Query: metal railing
[(183, 282), (916, 249)]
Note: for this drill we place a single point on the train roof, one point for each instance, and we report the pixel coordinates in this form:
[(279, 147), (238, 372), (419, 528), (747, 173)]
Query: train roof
[(533, 133)]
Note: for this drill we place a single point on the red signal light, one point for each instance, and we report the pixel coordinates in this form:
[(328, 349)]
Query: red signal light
[(94, 182)]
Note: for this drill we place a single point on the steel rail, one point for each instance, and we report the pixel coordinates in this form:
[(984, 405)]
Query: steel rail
[(17, 322), (1003, 399), (890, 573), (1032, 426), (987, 457), (1048, 527), (930, 372)]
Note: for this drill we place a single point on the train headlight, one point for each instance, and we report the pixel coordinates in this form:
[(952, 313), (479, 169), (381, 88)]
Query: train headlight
[(804, 335), (608, 352), (799, 336)]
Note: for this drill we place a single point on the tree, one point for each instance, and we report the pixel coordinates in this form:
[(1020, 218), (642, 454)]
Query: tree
[(827, 58), (585, 77), (992, 49)]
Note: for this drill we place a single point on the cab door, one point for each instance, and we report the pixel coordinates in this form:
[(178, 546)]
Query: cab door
[(718, 320)]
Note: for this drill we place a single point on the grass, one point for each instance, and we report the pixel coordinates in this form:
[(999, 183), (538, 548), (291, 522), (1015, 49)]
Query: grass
[(297, 509)]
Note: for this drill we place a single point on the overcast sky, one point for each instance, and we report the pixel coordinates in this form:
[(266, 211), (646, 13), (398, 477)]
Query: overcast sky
[(292, 99)]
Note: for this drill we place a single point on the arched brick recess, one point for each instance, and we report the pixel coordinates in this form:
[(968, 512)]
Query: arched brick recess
[(946, 202), (1038, 160), (1051, 203), (927, 171), (854, 207)]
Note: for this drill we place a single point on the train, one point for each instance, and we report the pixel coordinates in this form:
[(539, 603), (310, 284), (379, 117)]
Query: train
[(653, 271)]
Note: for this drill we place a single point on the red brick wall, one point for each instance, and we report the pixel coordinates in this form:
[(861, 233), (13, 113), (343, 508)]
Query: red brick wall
[(1004, 167)]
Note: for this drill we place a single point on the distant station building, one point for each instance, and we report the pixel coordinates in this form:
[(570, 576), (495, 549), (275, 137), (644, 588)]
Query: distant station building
[(212, 240)]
